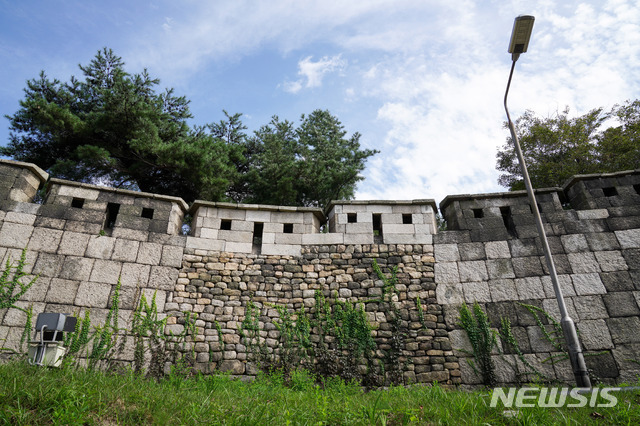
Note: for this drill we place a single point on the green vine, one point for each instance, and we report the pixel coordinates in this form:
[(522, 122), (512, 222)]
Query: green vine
[(483, 339), (216, 324), (506, 334), (106, 336), (420, 312), (148, 336), (12, 285)]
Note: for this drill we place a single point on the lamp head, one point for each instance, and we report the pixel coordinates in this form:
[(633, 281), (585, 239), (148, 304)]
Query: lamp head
[(520, 35)]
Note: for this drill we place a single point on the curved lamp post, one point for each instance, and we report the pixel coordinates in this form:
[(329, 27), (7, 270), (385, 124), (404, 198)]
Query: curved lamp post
[(519, 42)]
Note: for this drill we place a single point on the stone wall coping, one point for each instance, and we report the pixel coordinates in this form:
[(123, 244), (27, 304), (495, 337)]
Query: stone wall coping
[(263, 207), (41, 174), (419, 202), (578, 178), (496, 195), (138, 194)]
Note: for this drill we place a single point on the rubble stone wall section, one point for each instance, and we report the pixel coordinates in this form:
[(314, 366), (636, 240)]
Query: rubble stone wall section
[(218, 286)]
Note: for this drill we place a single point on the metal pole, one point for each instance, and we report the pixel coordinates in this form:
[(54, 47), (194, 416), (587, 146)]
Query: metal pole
[(568, 326)]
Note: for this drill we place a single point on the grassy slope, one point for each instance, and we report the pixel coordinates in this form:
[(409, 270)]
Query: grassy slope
[(31, 395)]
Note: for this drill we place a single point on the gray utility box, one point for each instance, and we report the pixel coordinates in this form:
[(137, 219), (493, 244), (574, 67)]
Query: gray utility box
[(49, 349)]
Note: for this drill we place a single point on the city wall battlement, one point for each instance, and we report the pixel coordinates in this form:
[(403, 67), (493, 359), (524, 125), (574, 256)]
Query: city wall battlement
[(83, 238)]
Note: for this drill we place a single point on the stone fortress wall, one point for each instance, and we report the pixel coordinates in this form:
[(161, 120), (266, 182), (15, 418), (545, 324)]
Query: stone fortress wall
[(83, 237)]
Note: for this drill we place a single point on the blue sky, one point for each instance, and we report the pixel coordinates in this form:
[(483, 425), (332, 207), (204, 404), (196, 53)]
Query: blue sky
[(422, 81)]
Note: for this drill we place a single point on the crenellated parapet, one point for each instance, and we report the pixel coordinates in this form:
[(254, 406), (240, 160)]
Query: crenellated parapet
[(387, 222), (252, 228), (20, 181), (499, 216), (115, 211)]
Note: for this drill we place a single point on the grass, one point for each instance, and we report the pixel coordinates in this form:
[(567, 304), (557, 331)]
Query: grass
[(35, 395)]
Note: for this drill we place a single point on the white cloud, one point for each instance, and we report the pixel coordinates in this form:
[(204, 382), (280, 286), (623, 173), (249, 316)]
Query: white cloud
[(314, 72)]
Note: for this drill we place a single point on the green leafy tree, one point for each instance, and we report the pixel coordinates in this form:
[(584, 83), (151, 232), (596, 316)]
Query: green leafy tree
[(114, 127), (275, 164), (332, 162), (305, 166), (558, 147)]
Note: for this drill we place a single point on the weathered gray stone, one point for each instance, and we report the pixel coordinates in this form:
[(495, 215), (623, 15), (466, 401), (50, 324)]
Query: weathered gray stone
[(134, 274), (73, 243), (500, 268), (468, 374), (565, 283), (590, 307), (524, 248), (163, 277), (530, 288), (106, 271), (539, 341), (541, 365), (149, 253), (446, 252), (13, 256), (611, 261), (628, 238), (45, 239), (48, 265), (160, 296), (626, 357), (602, 241), (551, 307), (632, 258), (586, 284), (497, 250), (617, 281), (574, 243), (446, 272), (19, 217), (472, 271), (449, 294), (38, 290), (594, 335), (502, 290), (100, 246), (18, 317), (125, 250), (472, 251), (621, 304), (62, 291), (76, 268), (476, 292), (624, 330), (15, 235), (93, 295), (171, 256), (583, 263), (527, 266)]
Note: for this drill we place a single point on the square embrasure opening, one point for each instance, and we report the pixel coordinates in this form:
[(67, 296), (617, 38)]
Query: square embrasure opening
[(288, 228), (352, 217), (478, 213), (407, 218), (147, 213), (610, 191), (77, 202), (225, 224)]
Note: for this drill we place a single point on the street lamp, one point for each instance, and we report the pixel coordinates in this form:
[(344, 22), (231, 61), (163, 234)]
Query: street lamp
[(520, 36)]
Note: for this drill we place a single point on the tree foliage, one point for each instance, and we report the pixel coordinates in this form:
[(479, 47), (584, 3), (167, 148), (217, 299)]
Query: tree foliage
[(309, 165), (115, 128), (558, 147)]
